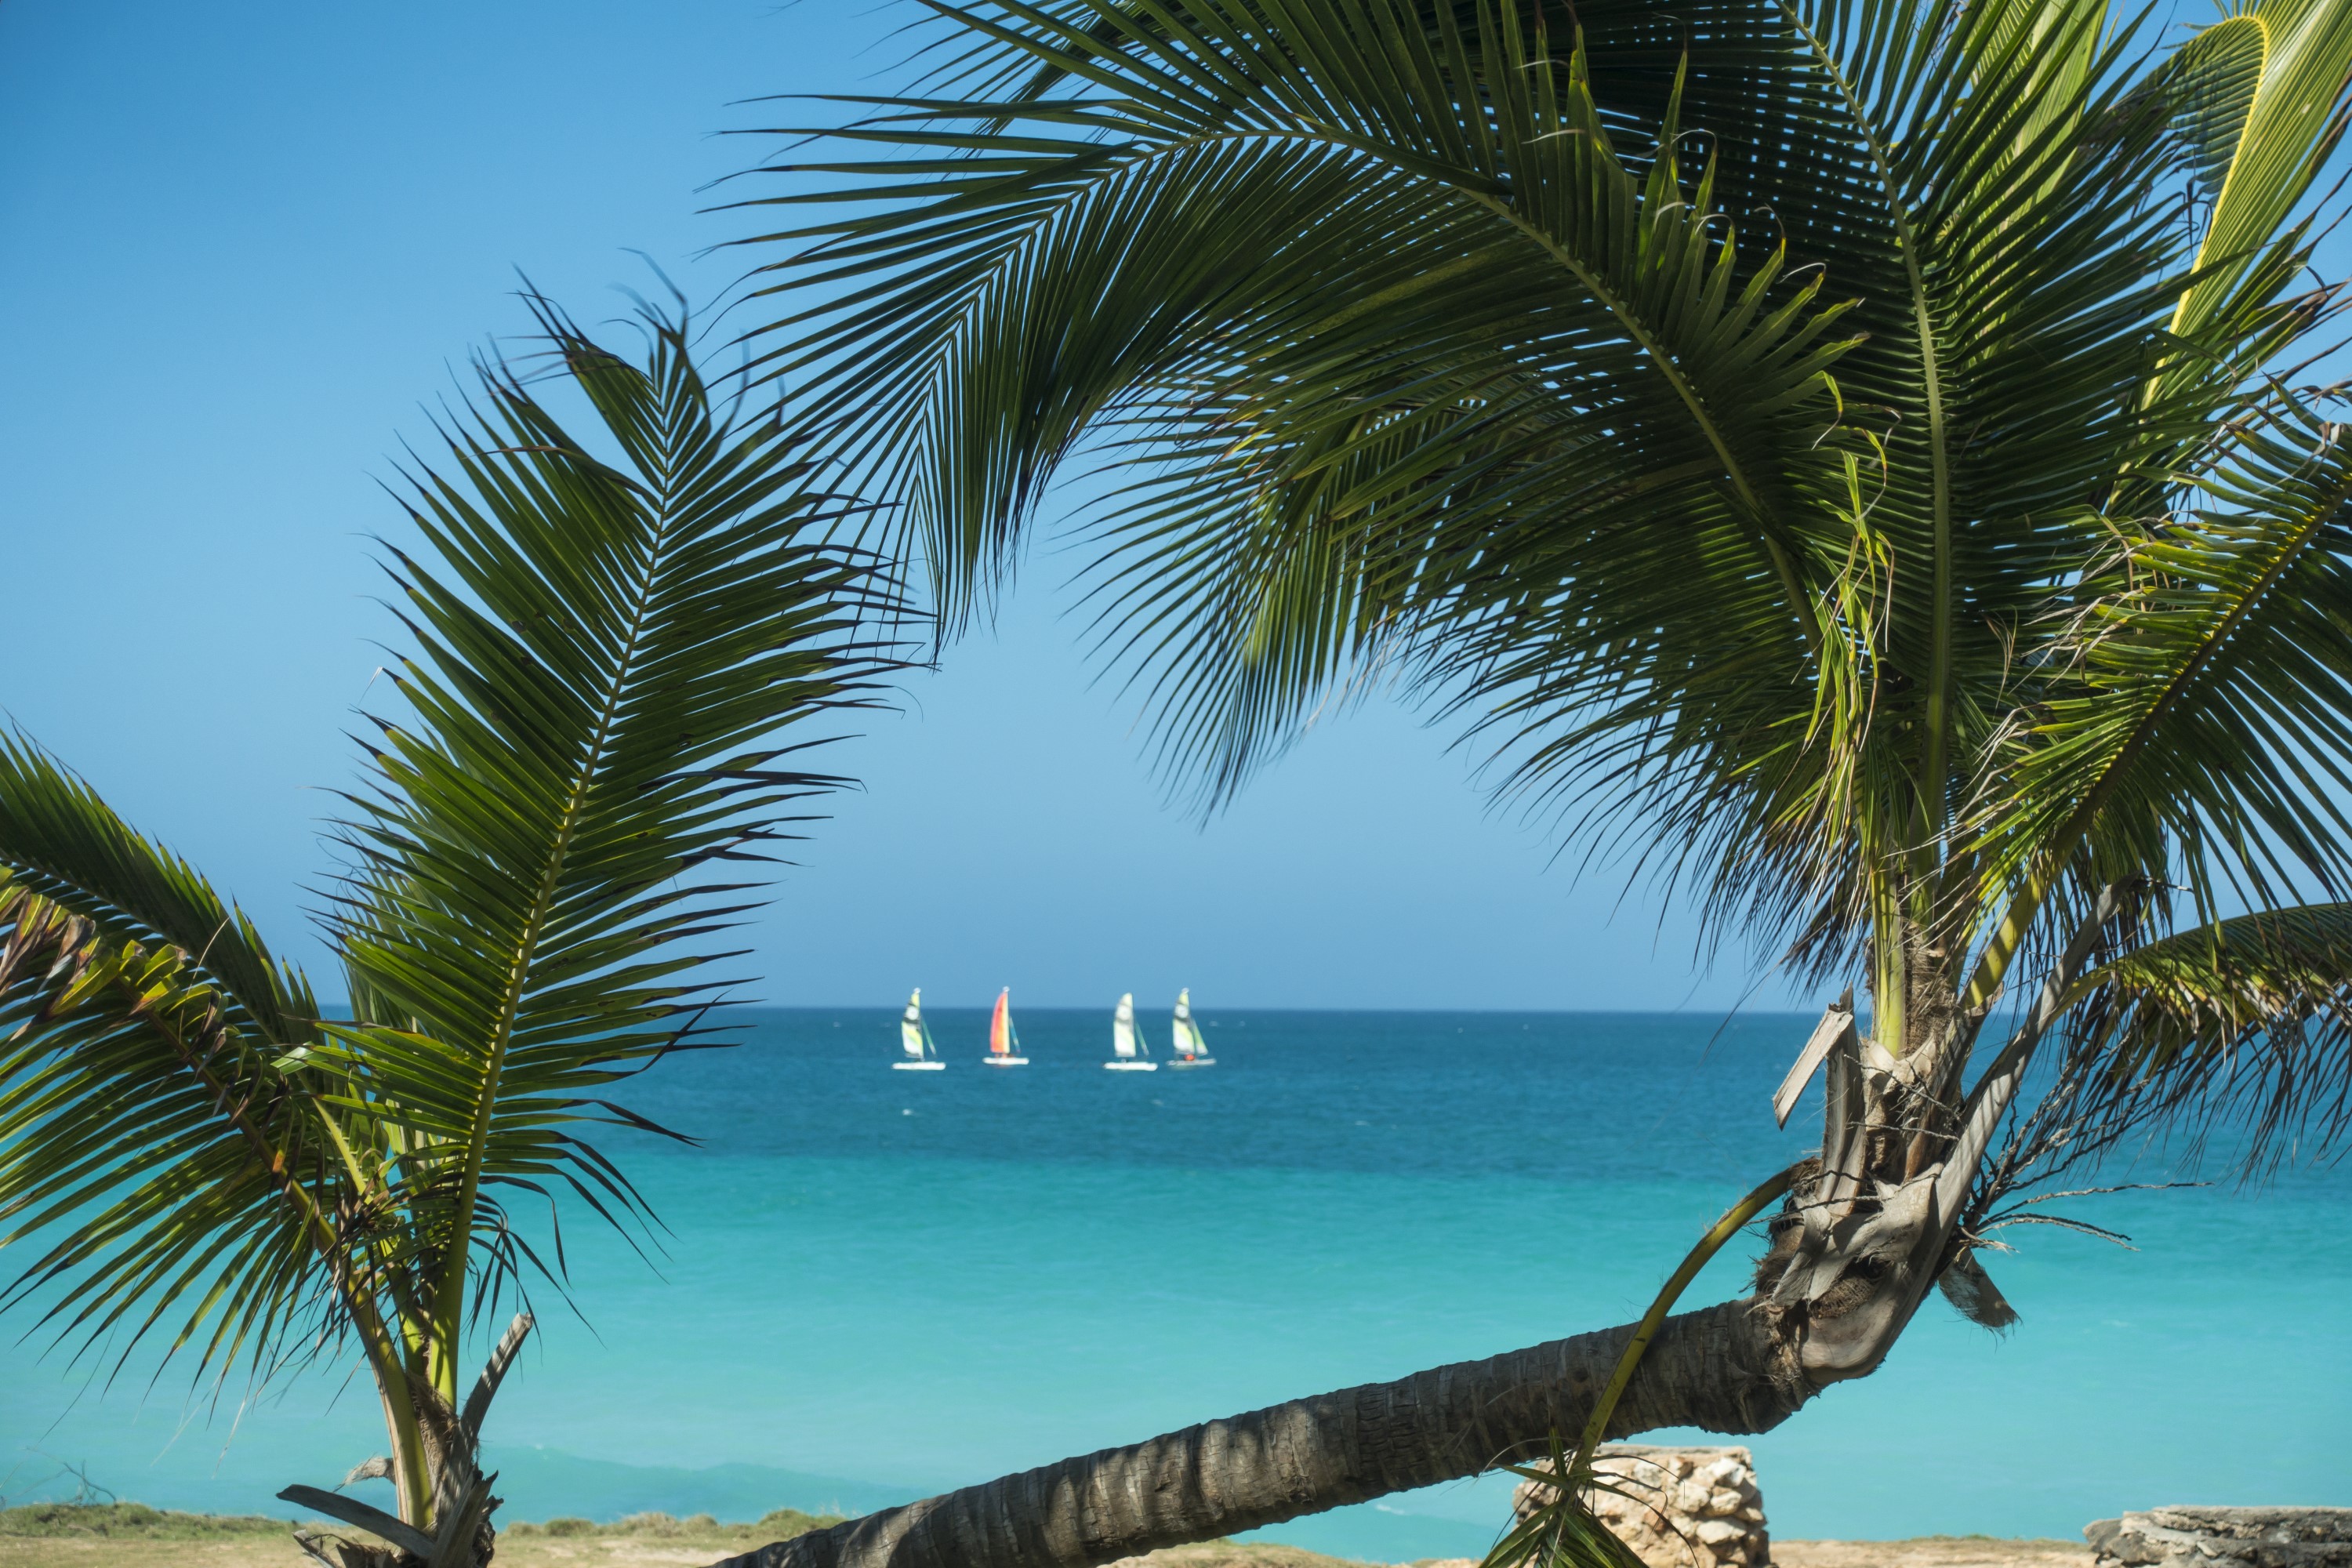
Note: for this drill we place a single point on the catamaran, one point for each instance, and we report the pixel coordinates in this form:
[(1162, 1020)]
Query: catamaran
[(1003, 1039), (1191, 1051), (1132, 1054), (915, 1037)]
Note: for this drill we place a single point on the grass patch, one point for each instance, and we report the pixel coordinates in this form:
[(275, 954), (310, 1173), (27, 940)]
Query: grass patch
[(562, 1524), (787, 1522), (130, 1521)]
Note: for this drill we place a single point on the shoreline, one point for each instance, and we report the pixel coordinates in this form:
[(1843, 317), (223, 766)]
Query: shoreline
[(130, 1535)]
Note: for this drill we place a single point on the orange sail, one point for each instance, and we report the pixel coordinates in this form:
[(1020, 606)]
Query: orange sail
[(1000, 1028)]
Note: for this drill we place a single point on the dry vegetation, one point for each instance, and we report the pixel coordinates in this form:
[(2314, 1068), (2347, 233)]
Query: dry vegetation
[(1932, 1552)]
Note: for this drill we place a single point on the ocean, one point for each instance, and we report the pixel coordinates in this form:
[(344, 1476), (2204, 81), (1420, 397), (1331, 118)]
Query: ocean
[(873, 1285)]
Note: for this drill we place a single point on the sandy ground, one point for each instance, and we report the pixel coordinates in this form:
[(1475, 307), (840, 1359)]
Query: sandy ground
[(1926, 1552), (1932, 1552), (574, 1552), (691, 1550)]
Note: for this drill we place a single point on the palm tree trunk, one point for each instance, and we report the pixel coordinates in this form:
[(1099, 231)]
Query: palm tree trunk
[(1725, 1368)]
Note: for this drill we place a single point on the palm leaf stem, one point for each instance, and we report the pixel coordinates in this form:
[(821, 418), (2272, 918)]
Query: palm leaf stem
[(1734, 1220), (1890, 988), (1563, 1533), (448, 1315)]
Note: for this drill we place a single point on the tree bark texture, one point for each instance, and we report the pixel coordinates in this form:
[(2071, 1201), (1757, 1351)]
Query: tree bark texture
[(1725, 1368)]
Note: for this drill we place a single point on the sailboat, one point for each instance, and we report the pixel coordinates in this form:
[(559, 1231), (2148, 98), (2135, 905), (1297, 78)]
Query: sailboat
[(1191, 1051), (915, 1037), (1003, 1039), (1131, 1054)]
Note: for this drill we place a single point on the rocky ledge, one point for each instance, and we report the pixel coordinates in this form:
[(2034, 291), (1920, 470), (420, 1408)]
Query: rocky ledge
[(2225, 1537)]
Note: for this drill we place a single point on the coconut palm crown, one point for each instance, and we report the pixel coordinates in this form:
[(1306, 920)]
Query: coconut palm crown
[(1854, 457), (1848, 454)]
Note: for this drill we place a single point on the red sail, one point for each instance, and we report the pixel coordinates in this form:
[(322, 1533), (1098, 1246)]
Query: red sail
[(1000, 1028)]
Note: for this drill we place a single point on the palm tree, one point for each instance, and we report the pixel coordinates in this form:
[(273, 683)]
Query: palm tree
[(1846, 454), (608, 640)]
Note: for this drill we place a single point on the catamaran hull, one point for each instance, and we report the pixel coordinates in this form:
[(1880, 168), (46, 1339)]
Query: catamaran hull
[(1130, 1066), (918, 1067), (1005, 1061), (1196, 1062)]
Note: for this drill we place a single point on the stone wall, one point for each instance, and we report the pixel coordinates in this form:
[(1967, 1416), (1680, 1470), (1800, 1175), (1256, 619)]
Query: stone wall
[(1679, 1508), (2183, 1537)]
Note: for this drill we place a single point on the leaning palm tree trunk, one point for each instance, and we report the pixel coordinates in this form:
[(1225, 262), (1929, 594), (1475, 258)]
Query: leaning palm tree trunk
[(1724, 1368)]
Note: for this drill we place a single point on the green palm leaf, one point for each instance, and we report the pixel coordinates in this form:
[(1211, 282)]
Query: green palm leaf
[(2262, 108), (1376, 298), (60, 841), (185, 1179), (606, 657), (1344, 251), (2204, 707), (2244, 1024), (617, 651), (1182, 187)]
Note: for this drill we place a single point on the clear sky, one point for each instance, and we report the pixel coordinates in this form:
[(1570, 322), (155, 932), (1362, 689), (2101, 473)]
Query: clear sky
[(244, 244)]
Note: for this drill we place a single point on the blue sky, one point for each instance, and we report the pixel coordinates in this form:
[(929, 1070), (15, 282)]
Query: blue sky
[(245, 246)]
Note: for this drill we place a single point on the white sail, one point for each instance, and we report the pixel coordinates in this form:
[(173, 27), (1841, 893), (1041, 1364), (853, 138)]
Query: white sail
[(1122, 1026), (911, 1025), (1187, 1033)]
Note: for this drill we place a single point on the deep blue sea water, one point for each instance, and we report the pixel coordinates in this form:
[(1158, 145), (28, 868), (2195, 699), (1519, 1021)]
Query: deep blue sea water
[(877, 1283)]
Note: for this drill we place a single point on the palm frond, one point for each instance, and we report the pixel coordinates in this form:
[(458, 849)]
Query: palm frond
[(2197, 719), (2243, 1026), (60, 840), (2264, 98), (184, 1171), (615, 660), (1432, 354), (1186, 209), (1379, 287)]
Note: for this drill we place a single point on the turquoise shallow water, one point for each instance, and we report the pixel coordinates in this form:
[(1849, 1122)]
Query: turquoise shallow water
[(879, 1284)]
